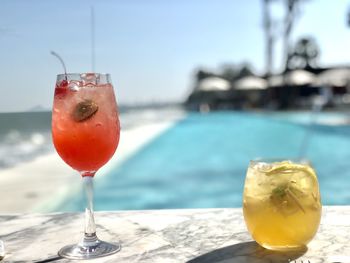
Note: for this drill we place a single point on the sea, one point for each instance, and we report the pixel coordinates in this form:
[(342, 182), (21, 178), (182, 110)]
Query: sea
[(27, 135)]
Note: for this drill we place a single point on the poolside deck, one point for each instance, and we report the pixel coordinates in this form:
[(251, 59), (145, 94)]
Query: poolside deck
[(193, 236)]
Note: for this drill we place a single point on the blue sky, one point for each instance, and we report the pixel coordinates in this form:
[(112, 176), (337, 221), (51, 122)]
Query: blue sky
[(151, 47)]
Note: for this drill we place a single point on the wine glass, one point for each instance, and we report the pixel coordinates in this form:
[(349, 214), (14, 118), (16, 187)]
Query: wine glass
[(281, 203), (85, 132)]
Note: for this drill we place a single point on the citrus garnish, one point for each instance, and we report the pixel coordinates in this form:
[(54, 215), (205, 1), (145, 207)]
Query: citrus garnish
[(288, 167), (84, 110), (286, 196)]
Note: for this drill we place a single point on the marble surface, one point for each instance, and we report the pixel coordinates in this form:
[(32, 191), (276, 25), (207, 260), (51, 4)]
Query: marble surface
[(191, 236)]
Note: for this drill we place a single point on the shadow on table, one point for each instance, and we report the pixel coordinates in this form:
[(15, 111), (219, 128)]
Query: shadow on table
[(247, 252), (51, 259)]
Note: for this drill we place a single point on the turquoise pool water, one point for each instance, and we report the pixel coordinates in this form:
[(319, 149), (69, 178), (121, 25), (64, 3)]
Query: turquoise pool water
[(201, 161)]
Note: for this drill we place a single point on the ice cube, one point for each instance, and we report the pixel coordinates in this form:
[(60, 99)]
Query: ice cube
[(90, 79), (74, 85), (263, 167)]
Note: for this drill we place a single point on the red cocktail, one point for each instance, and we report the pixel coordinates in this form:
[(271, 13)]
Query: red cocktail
[(85, 132), (85, 125)]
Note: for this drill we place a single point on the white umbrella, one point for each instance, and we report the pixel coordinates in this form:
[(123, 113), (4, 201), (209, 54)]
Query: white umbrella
[(334, 77), (298, 77), (213, 84), (251, 83)]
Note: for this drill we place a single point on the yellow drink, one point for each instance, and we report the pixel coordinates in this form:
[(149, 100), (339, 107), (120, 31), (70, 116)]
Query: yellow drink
[(281, 204)]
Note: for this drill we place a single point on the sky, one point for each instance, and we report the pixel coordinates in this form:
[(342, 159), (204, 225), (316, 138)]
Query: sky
[(151, 48)]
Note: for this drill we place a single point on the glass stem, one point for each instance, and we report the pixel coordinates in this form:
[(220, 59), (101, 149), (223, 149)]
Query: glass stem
[(90, 228)]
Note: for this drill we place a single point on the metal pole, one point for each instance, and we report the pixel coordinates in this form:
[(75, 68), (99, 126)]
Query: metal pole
[(92, 39)]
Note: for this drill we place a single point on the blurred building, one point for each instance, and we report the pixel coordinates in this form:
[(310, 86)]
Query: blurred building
[(294, 89)]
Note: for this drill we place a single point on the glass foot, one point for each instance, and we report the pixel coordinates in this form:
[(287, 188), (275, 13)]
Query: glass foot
[(94, 249)]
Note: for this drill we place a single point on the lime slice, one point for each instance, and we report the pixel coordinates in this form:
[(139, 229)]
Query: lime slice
[(288, 168)]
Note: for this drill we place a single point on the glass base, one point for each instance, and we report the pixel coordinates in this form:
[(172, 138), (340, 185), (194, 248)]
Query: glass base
[(294, 248), (94, 249)]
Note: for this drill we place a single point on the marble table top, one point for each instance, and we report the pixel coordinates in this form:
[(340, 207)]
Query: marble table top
[(168, 236)]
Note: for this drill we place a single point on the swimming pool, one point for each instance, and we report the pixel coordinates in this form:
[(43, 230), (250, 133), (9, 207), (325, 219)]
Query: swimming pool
[(201, 161)]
